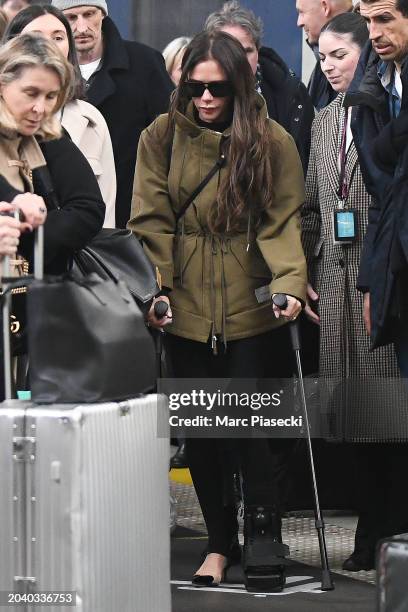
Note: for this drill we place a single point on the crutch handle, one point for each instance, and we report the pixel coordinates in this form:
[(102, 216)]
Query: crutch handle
[(281, 301), (160, 309)]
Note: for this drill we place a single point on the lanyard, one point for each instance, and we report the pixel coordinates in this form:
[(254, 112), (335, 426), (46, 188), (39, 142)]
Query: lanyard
[(344, 185)]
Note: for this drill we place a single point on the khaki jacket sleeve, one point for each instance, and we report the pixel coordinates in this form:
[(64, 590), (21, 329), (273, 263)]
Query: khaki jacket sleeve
[(279, 237), (152, 216)]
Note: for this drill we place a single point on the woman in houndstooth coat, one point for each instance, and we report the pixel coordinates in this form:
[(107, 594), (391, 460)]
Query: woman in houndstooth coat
[(333, 268), (362, 411)]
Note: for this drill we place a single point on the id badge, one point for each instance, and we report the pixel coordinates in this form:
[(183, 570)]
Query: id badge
[(345, 229)]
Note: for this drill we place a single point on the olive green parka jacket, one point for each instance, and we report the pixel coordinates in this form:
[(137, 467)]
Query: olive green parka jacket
[(213, 279)]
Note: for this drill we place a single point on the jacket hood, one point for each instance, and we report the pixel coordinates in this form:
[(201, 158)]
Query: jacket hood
[(187, 121), (366, 87), (273, 68)]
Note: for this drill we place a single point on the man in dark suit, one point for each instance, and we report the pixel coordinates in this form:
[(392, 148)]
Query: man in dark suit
[(125, 80), (312, 16)]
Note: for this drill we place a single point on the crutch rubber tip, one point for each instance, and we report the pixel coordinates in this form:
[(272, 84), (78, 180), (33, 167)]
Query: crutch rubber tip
[(327, 581)]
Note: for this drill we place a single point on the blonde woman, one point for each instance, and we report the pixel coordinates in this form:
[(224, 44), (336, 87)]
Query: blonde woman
[(82, 121), (173, 56), (36, 164), (35, 80)]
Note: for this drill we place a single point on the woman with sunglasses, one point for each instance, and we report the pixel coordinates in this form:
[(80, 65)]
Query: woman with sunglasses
[(241, 233)]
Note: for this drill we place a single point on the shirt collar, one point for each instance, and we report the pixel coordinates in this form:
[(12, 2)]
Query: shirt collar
[(385, 73)]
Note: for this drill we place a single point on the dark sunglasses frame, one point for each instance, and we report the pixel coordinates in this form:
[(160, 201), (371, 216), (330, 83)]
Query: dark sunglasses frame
[(218, 89)]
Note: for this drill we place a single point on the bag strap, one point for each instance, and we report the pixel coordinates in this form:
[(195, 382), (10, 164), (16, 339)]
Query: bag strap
[(216, 168)]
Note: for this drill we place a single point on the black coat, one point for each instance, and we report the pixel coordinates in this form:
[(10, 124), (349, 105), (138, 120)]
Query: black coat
[(287, 100), (387, 233), (81, 210), (130, 89)]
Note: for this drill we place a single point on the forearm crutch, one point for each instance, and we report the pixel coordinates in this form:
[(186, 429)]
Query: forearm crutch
[(280, 300)]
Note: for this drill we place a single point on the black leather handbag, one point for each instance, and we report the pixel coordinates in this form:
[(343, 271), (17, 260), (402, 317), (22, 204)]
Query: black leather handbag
[(87, 341), (116, 254), (112, 254)]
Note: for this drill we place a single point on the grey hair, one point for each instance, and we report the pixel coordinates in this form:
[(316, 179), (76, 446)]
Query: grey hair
[(232, 14)]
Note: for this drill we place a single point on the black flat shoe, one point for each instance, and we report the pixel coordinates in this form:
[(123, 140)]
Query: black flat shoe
[(206, 580), (359, 562), (179, 459)]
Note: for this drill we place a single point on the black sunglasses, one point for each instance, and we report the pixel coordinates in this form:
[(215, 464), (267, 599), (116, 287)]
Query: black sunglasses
[(218, 89)]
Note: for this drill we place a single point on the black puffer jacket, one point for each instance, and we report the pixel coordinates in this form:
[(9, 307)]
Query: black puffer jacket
[(287, 100)]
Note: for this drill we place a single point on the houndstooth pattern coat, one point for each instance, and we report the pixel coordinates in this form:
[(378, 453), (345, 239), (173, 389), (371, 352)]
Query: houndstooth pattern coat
[(333, 269)]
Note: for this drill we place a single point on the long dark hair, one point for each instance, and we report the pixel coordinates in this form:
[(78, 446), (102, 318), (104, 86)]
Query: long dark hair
[(26, 16), (247, 188)]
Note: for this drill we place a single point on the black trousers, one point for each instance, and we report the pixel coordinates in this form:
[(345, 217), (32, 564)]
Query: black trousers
[(382, 493), (263, 462)]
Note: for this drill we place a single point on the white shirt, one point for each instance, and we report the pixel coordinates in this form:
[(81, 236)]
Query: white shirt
[(398, 83), (349, 133), (87, 70)]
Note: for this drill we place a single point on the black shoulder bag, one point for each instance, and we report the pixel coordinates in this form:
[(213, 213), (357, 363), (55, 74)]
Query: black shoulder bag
[(113, 254)]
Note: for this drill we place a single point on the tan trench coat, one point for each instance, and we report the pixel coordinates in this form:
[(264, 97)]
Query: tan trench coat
[(88, 130), (216, 294)]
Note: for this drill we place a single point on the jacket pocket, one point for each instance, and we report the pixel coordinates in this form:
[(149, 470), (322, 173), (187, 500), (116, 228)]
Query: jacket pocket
[(250, 261)]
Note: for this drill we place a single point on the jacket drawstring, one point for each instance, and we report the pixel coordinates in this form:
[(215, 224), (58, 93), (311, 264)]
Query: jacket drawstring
[(182, 253), (248, 231), (212, 298), (224, 250)]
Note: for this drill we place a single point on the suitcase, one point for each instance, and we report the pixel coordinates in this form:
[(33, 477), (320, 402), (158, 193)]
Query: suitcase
[(84, 505), (392, 573)]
